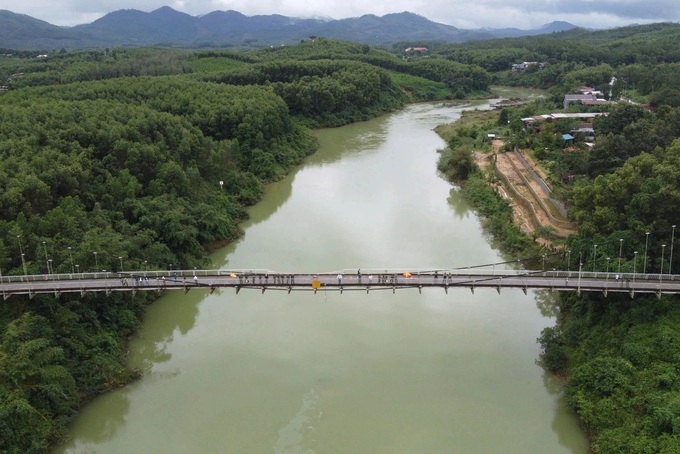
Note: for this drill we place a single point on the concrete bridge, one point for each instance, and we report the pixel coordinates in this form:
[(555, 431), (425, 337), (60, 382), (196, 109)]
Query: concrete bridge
[(340, 281)]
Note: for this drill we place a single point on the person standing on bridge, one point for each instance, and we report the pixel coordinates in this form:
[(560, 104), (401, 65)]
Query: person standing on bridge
[(359, 274), (195, 279), (339, 279)]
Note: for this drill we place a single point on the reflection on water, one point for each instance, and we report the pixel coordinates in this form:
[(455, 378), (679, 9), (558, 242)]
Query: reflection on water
[(301, 426)]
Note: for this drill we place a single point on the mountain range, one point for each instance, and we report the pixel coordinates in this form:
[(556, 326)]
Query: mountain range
[(168, 27)]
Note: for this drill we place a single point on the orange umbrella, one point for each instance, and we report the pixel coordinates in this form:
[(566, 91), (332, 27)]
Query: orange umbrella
[(407, 274)]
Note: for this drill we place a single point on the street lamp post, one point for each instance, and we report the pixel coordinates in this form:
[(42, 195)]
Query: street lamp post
[(50, 266), (70, 254), (594, 256), (23, 259), (96, 263), (580, 267), (663, 249), (644, 266), (47, 262), (568, 260), (670, 260), (620, 250), (78, 270), (120, 259), (608, 258), (635, 254)]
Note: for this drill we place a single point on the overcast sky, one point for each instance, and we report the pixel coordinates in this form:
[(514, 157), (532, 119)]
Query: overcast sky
[(468, 14)]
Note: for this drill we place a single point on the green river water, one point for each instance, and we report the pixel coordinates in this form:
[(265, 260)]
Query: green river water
[(351, 373)]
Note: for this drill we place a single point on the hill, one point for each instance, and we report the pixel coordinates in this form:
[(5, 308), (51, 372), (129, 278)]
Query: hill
[(170, 28)]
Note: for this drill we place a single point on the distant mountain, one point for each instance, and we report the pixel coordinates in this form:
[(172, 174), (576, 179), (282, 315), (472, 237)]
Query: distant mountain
[(552, 27), (168, 27)]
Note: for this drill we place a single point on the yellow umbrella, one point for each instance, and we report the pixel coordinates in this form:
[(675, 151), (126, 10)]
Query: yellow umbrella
[(232, 274), (407, 274)]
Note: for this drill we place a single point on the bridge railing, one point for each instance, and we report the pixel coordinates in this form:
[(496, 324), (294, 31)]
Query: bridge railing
[(413, 275)]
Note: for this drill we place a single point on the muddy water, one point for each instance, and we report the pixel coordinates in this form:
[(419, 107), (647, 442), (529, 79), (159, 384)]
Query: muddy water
[(350, 373)]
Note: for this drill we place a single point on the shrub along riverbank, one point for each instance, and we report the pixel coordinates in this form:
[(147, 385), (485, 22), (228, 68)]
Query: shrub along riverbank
[(620, 356)]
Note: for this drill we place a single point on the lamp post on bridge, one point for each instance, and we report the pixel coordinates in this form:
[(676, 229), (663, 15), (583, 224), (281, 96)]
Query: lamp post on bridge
[(120, 259), (50, 266), (96, 263), (580, 268), (620, 250), (644, 266), (663, 249), (21, 251), (608, 258), (70, 254), (670, 260), (47, 261), (635, 254), (568, 260), (594, 256)]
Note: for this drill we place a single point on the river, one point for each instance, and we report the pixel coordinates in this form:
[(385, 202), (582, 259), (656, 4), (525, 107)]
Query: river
[(344, 373)]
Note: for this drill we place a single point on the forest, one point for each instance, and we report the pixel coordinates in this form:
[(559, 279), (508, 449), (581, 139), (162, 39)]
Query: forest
[(112, 159), (134, 159), (618, 356)]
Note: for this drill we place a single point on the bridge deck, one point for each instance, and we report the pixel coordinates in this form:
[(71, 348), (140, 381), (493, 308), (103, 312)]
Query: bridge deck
[(210, 280)]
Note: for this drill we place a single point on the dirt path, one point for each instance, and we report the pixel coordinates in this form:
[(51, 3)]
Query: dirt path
[(513, 168)]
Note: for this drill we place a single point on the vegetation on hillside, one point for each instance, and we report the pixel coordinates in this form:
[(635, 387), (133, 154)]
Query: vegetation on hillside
[(619, 355)]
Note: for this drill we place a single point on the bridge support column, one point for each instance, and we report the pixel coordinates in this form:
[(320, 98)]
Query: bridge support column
[(212, 289), (289, 289), (605, 292), (263, 289), (420, 289), (446, 289), (238, 289), (524, 290), (498, 289), (472, 289)]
